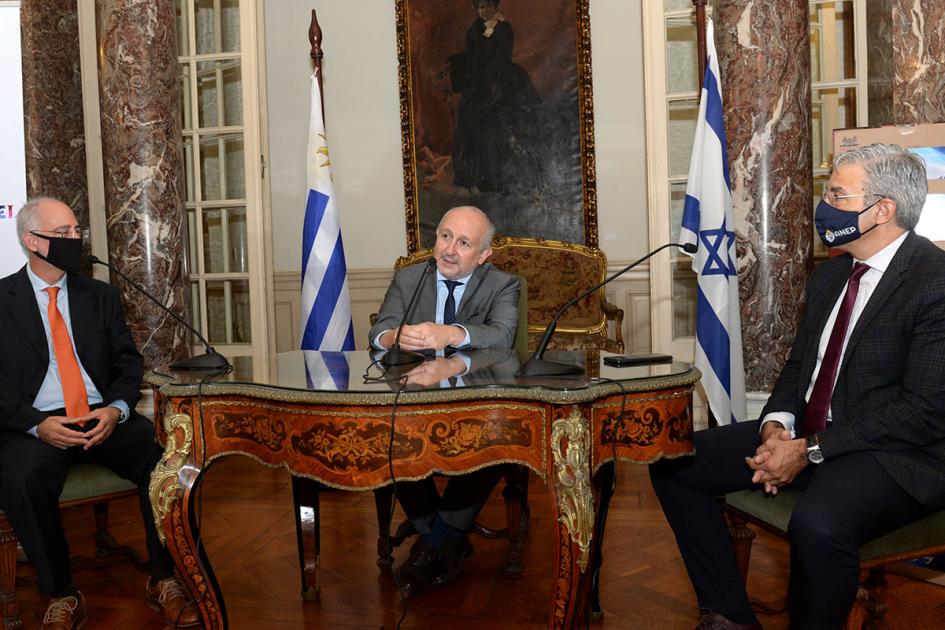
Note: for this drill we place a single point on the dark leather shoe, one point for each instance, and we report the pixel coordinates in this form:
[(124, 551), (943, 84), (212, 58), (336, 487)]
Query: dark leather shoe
[(66, 613), (452, 557), (168, 598), (417, 570), (715, 621)]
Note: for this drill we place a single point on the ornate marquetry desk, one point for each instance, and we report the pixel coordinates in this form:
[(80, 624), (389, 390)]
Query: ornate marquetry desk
[(319, 419)]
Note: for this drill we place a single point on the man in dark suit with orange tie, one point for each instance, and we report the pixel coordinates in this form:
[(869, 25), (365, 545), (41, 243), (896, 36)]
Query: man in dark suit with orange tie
[(70, 377), (856, 419)]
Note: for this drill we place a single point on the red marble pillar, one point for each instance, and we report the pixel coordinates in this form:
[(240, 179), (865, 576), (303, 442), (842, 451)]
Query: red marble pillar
[(764, 56), (144, 177), (52, 103), (918, 38)]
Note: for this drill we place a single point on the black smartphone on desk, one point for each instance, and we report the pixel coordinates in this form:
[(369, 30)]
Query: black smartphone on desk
[(624, 360)]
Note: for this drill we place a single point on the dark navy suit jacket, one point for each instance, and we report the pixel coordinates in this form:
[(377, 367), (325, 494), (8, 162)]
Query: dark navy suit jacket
[(889, 399)]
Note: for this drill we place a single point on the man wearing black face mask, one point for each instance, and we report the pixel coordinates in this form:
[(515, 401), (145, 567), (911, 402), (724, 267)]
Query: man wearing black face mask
[(856, 419), (69, 380)]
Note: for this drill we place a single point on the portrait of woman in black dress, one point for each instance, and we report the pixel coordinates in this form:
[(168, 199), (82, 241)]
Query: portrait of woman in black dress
[(492, 115), (494, 142)]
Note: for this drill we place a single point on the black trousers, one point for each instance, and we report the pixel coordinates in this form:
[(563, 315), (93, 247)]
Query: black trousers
[(32, 474), (460, 504), (845, 502)]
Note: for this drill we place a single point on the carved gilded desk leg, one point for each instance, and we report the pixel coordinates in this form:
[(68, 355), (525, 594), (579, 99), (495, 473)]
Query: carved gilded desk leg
[(170, 490), (571, 458)]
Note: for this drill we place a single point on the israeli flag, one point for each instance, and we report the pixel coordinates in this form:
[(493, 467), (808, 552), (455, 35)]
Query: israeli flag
[(708, 221), (326, 306)]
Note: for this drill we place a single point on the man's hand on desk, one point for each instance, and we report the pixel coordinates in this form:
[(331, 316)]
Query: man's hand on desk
[(426, 336), (432, 372), (778, 459)]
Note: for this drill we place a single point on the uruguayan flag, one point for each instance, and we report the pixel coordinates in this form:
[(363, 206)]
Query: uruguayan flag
[(327, 371), (326, 307), (708, 221)]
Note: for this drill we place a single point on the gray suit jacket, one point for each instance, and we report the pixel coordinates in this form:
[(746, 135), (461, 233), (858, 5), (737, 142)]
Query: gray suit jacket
[(488, 310), (889, 399)]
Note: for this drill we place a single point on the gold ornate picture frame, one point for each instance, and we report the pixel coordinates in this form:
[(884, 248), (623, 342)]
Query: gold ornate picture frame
[(496, 109)]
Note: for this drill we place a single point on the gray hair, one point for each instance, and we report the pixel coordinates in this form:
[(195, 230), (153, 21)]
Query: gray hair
[(895, 173), (27, 219), (487, 236)]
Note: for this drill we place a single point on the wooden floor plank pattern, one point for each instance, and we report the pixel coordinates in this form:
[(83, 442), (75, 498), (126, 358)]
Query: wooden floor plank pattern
[(250, 535)]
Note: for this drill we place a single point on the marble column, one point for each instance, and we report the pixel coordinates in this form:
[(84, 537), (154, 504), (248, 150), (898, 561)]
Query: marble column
[(880, 62), (52, 103), (918, 34), (766, 96), (144, 178)]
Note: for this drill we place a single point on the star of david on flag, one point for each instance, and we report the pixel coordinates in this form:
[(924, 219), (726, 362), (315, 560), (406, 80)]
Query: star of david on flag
[(326, 305), (708, 221)]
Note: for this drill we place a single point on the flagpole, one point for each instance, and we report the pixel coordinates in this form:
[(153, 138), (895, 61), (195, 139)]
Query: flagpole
[(700, 39), (315, 39)]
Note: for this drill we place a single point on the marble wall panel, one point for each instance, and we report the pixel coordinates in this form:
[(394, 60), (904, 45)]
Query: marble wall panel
[(52, 103), (919, 50), (141, 141), (766, 98), (881, 64)]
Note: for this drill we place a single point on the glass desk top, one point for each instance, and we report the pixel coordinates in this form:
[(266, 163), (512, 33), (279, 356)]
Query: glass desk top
[(361, 372)]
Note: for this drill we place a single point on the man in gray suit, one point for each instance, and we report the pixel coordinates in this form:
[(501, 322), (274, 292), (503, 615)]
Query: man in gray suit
[(466, 304)]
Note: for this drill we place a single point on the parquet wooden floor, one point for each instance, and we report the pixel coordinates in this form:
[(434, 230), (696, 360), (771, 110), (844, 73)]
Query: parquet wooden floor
[(250, 536)]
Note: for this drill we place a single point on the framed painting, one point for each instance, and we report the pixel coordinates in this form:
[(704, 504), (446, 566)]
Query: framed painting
[(496, 112)]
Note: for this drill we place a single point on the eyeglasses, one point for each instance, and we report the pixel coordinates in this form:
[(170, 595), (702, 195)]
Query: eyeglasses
[(67, 232), (832, 199)]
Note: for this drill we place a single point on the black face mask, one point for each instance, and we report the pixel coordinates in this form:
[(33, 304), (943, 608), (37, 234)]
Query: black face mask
[(64, 253)]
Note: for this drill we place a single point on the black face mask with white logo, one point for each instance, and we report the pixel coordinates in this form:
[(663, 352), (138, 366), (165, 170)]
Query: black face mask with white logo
[(64, 253)]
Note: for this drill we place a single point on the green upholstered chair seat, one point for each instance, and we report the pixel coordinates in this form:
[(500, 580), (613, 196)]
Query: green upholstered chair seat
[(85, 481), (89, 480), (776, 510)]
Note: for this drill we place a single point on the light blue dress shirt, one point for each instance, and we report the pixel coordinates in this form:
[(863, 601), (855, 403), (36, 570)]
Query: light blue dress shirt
[(50, 395), (441, 294)]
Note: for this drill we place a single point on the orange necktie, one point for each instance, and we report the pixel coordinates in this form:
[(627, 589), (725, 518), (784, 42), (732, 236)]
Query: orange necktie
[(73, 387)]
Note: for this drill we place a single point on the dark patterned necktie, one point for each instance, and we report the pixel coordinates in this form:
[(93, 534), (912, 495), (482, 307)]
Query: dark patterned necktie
[(815, 416), (449, 309)]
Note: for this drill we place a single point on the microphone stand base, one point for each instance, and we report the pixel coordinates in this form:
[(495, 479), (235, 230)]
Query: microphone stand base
[(540, 367), (206, 361)]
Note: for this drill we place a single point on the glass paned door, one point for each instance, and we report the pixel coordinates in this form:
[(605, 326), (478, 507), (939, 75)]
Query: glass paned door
[(838, 83), (219, 115)]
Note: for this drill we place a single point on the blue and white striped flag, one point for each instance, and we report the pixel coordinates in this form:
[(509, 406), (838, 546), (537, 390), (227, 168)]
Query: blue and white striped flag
[(709, 222), (326, 306), (327, 371)]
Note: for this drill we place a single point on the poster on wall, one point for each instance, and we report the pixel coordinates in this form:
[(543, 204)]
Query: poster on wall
[(496, 112), (928, 142), (13, 155)]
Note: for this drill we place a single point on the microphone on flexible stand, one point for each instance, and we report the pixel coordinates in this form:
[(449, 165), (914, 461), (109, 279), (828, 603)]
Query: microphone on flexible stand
[(210, 360), (537, 365), (395, 356)]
